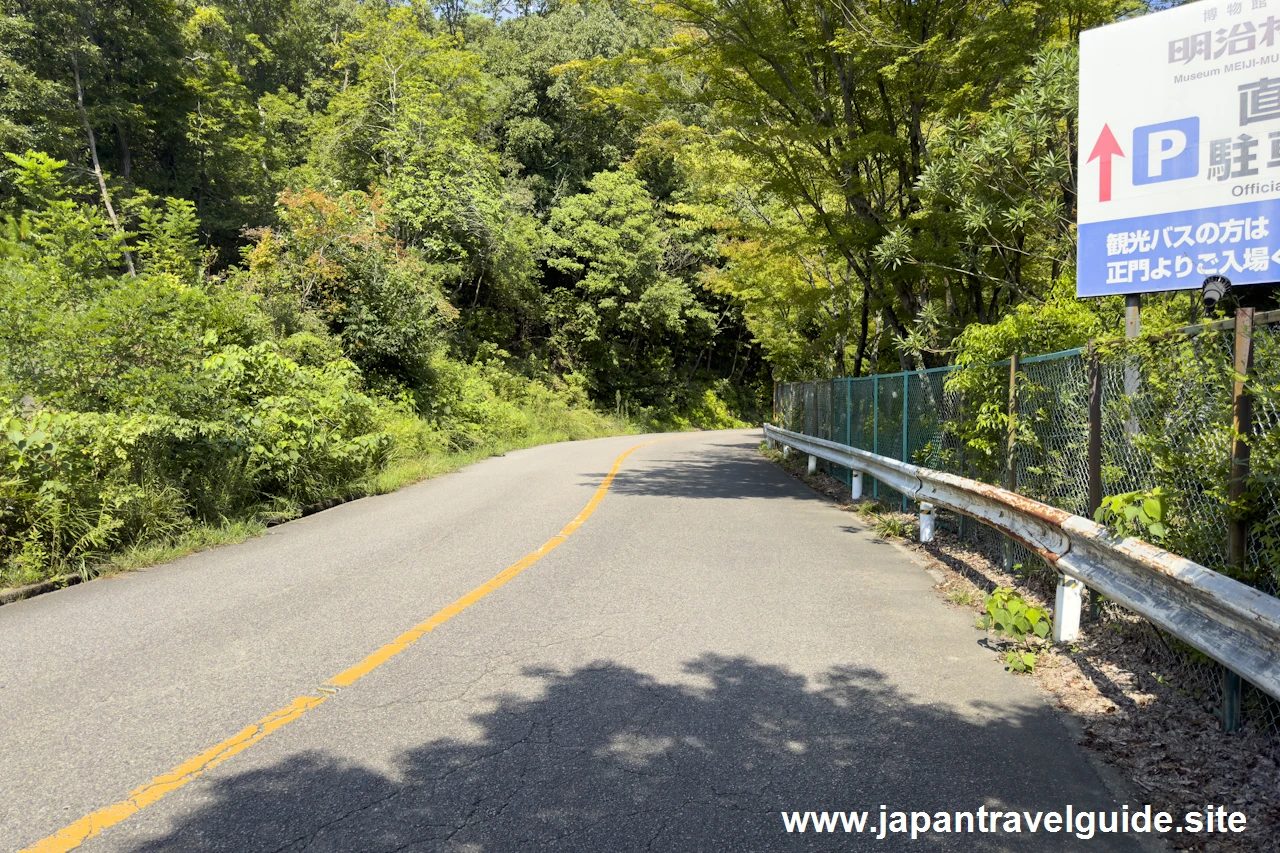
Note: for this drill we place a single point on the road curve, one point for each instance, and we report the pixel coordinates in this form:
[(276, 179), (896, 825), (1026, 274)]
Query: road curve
[(711, 645)]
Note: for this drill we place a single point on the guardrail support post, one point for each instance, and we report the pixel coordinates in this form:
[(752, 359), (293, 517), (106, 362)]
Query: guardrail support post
[(1066, 609), (813, 464), (855, 485), (1011, 457), (926, 521), (786, 451), (1229, 715)]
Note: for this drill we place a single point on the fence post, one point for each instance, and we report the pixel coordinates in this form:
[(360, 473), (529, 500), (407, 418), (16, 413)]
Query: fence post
[(1132, 375), (1237, 523), (1095, 453), (1011, 461), (1242, 417), (875, 428), (962, 522), (1095, 430)]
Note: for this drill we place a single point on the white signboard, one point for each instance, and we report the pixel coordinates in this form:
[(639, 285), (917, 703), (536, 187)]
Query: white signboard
[(1179, 170)]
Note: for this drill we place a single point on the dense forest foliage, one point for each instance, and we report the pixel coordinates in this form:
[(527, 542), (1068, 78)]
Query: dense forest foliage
[(259, 253)]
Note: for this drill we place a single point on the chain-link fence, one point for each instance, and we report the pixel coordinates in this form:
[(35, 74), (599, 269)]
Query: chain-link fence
[(1162, 417)]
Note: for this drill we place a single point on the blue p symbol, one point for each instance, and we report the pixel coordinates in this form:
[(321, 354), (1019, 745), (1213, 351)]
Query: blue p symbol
[(1168, 151)]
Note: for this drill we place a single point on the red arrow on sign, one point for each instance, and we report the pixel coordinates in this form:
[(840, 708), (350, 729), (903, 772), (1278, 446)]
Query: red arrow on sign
[(1106, 147)]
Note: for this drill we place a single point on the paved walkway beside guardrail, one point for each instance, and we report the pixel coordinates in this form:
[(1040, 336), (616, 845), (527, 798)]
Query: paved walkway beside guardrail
[(1234, 624)]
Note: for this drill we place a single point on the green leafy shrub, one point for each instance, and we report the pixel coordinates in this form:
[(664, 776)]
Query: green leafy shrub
[(298, 432), (1137, 514), (1059, 323), (78, 485), (1009, 615), (334, 259), (709, 411)]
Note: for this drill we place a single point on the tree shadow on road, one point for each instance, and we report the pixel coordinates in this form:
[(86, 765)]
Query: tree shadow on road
[(606, 758), (737, 474)]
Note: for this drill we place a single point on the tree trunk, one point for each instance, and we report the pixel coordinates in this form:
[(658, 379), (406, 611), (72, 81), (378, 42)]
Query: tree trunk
[(97, 166), (862, 333), (123, 154), (262, 123)]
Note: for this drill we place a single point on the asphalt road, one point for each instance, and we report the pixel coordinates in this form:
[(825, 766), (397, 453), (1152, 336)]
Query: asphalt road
[(714, 645)]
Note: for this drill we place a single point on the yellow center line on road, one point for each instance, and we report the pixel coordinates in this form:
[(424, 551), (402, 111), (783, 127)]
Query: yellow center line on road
[(72, 836)]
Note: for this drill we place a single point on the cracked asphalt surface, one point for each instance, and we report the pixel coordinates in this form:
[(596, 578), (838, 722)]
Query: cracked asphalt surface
[(714, 645)]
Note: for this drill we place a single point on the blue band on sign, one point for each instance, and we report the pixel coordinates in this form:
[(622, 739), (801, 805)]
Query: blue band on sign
[(1176, 251)]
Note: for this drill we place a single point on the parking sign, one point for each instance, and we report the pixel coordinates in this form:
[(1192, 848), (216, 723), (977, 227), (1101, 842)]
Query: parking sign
[(1179, 158)]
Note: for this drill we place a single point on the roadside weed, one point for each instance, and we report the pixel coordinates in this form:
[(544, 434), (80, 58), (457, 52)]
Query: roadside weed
[(1009, 615)]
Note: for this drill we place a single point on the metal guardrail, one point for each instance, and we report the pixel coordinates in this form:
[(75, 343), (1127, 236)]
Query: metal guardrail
[(1236, 625)]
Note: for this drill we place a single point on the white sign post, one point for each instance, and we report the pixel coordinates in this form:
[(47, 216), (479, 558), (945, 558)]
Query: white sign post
[(1179, 165)]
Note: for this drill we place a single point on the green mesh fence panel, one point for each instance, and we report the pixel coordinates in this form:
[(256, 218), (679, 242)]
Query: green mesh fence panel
[(888, 436), (810, 408), (861, 412), (862, 420), (825, 392), (930, 409), (840, 421), (1051, 453), (1264, 461)]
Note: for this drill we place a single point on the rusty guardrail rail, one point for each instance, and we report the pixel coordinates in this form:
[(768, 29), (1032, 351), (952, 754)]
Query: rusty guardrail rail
[(1236, 625)]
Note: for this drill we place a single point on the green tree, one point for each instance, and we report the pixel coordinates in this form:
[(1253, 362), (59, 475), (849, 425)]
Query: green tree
[(335, 259), (837, 106), (616, 311), (113, 73), (995, 223), (24, 96), (549, 134), (232, 181), (80, 334)]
